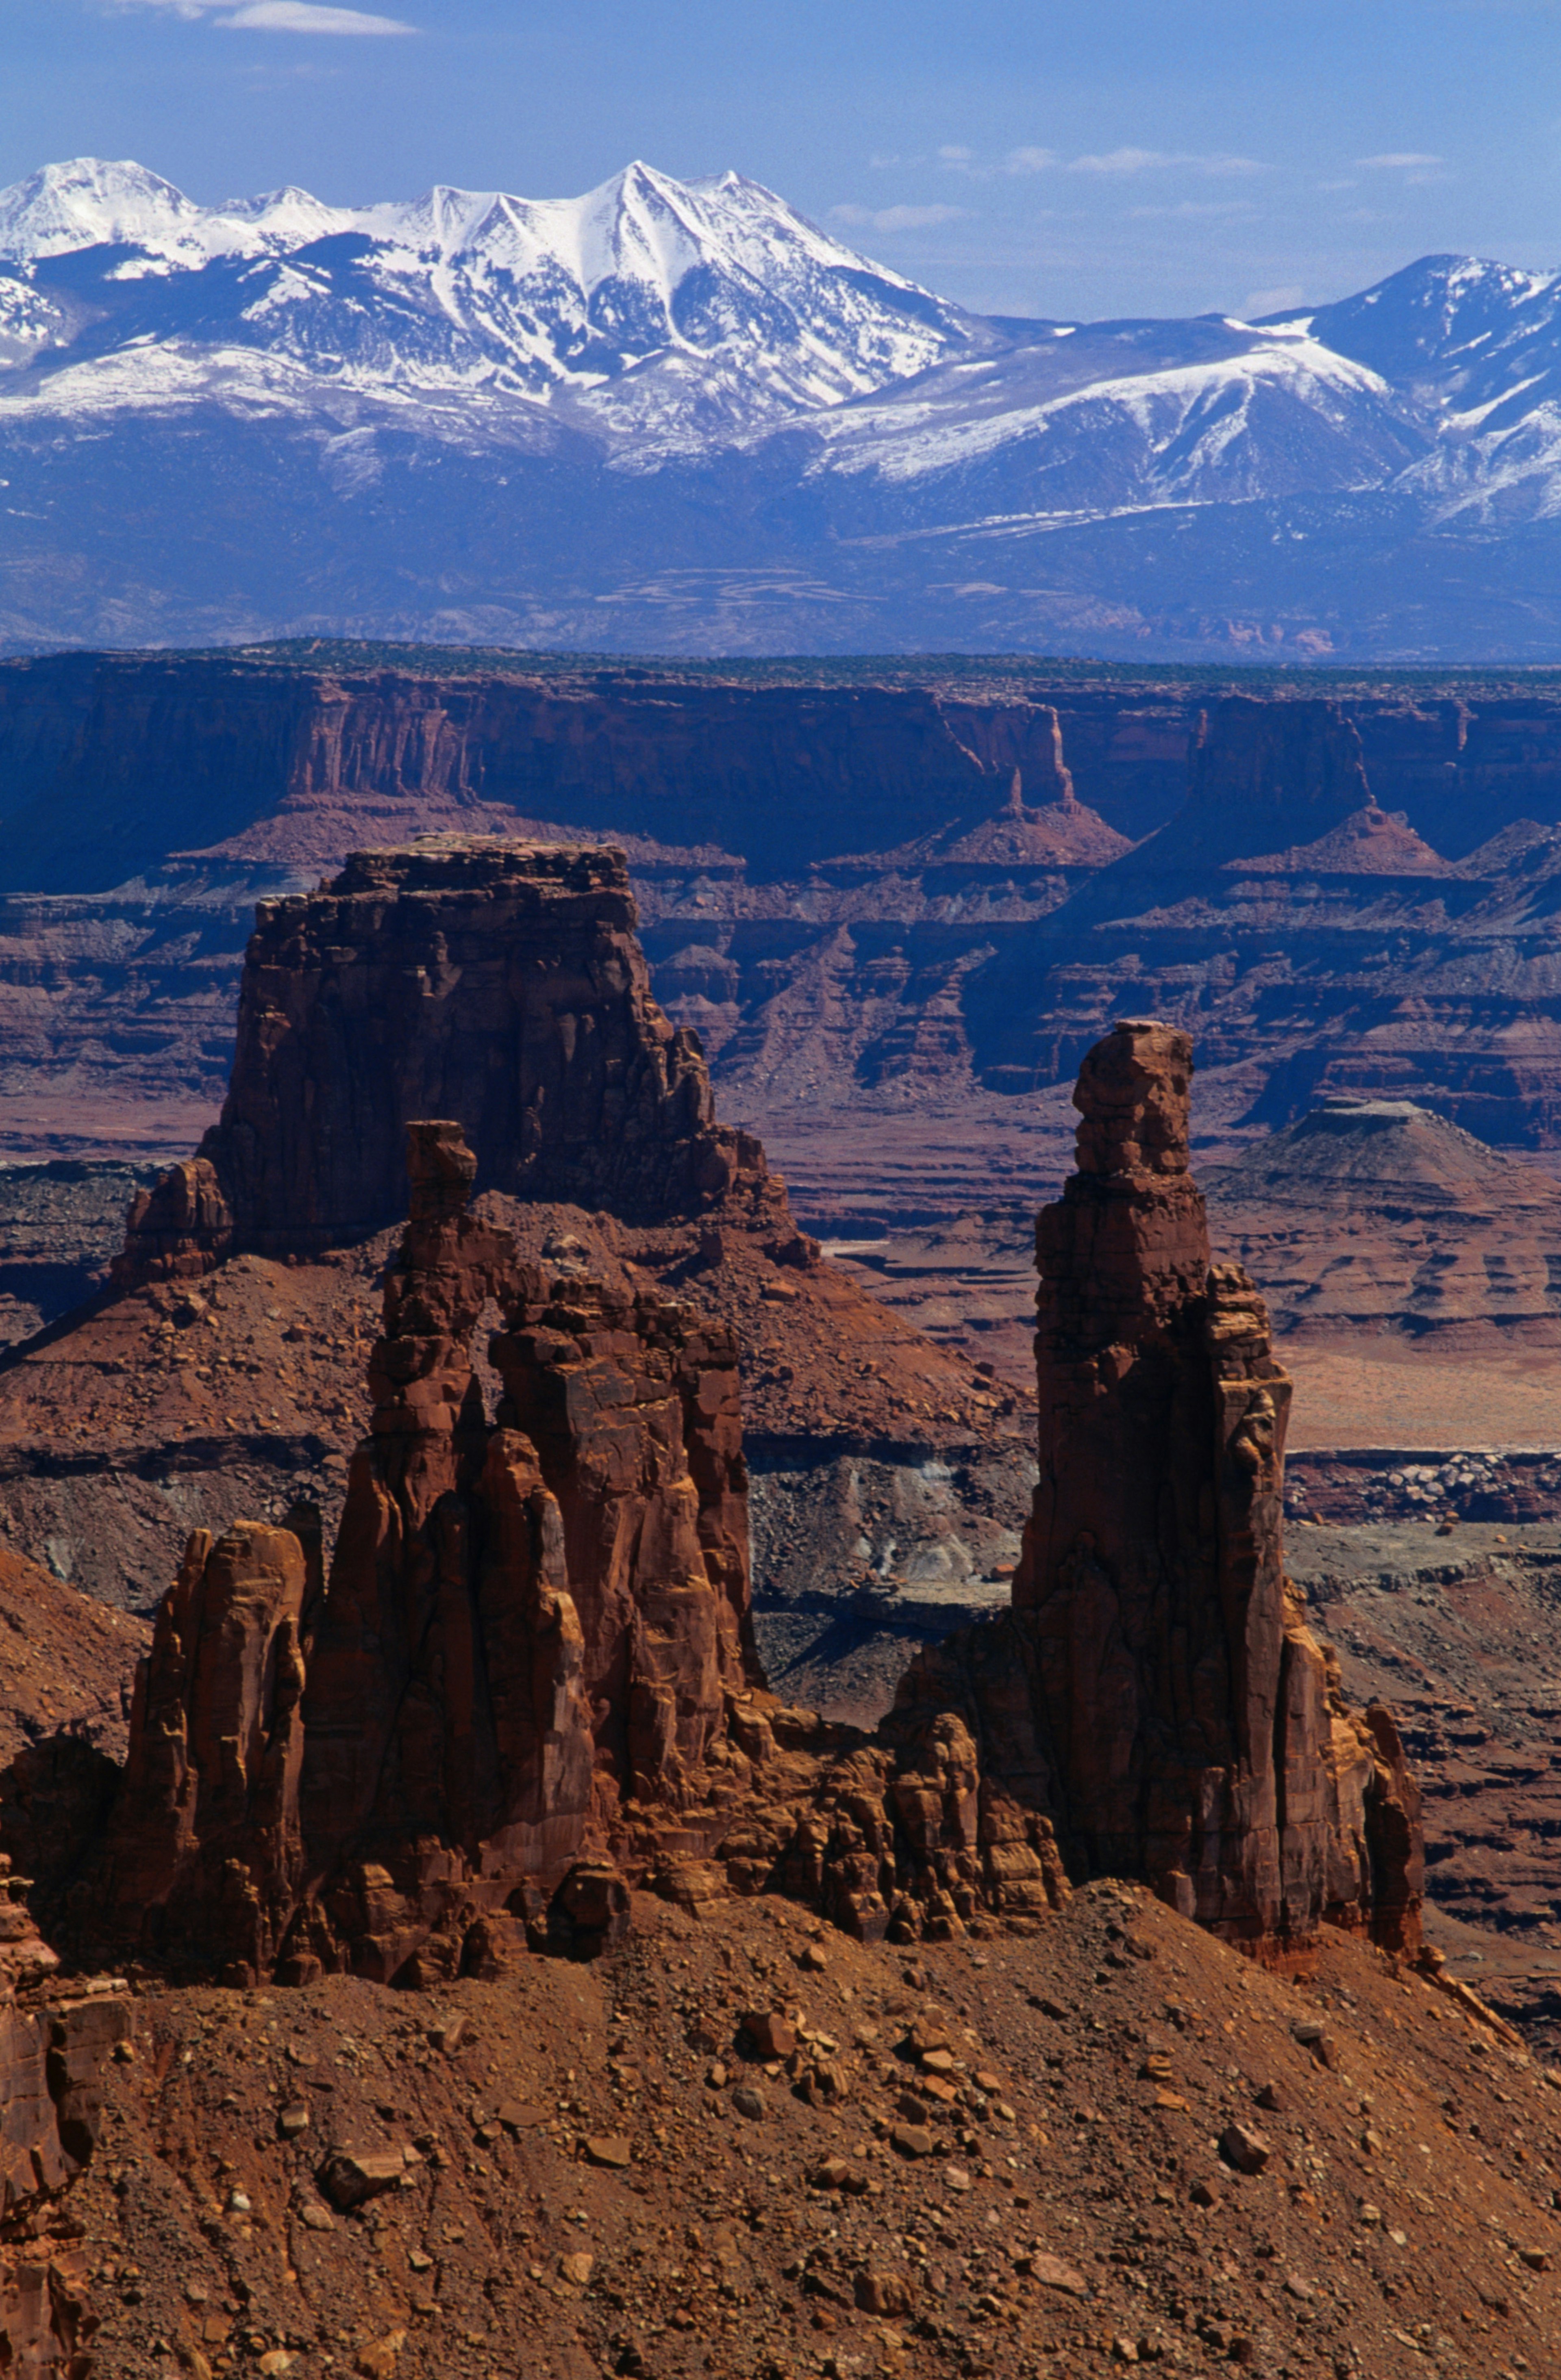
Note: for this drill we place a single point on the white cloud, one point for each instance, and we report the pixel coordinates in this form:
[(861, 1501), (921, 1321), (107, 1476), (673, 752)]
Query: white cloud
[(1193, 207), (303, 17), (279, 17), (1401, 160), (897, 218), (1159, 160), (1031, 161), (1258, 302), (954, 152)]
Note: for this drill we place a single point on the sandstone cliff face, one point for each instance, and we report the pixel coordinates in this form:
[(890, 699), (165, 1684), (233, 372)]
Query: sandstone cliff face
[(502, 985), (1156, 1687), (946, 980), (1254, 766), (55, 2043), (212, 1775)]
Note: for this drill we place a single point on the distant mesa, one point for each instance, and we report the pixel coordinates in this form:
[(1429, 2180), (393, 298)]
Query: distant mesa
[(1377, 1214), (1390, 1150), (500, 984)]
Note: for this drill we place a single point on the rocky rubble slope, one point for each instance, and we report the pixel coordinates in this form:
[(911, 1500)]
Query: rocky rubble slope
[(626, 2168), (61, 1225)]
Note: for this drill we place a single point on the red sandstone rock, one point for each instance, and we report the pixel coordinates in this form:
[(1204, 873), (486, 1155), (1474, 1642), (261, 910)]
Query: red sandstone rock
[(503, 985), (1058, 831), (532, 1666), (204, 1855), (178, 1230), (531, 1673), (633, 1406), (1295, 766), (449, 1752), (1156, 1687), (54, 2045), (1370, 841), (528, 1622)]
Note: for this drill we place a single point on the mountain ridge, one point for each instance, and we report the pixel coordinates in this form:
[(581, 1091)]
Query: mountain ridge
[(678, 416)]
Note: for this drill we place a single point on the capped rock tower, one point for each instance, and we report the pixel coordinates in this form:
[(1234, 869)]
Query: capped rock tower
[(498, 984), (1156, 1687)]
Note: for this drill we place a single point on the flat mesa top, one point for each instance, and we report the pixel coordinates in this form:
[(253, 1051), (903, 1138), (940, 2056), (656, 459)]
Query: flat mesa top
[(454, 862), (1346, 1110)]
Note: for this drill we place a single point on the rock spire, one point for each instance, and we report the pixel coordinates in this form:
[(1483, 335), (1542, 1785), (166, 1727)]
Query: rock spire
[(529, 1679), (530, 1620), (1156, 1687)]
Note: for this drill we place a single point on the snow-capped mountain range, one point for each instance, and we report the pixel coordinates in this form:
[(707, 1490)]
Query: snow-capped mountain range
[(649, 309), (673, 413)]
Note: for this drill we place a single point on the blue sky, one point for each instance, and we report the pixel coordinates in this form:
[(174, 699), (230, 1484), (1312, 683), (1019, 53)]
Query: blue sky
[(1063, 157)]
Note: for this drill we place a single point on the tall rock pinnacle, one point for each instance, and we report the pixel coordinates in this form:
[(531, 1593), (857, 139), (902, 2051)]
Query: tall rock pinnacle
[(1156, 1686)]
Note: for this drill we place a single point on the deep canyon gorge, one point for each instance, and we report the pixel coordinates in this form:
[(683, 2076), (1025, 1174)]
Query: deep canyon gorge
[(680, 1733)]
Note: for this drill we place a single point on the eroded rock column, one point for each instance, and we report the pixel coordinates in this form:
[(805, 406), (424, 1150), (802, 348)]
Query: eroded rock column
[(1156, 1687)]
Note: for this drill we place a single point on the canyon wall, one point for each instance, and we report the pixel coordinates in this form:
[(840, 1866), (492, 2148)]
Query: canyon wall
[(827, 891), (108, 762)]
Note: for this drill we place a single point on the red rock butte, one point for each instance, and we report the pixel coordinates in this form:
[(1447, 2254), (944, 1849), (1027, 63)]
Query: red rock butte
[(499, 984)]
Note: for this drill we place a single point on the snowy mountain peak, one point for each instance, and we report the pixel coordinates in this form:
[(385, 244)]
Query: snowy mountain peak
[(88, 201), (1437, 309), (547, 299), (515, 385)]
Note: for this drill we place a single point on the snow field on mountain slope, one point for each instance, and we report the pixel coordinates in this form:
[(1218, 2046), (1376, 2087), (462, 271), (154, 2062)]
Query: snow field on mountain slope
[(1146, 418)]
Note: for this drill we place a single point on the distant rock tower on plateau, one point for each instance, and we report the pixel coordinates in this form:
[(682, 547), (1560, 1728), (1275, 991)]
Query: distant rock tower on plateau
[(501, 985)]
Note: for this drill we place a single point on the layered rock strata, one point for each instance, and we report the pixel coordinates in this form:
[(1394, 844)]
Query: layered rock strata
[(56, 2042), (1378, 1215), (500, 984), (1155, 1687)]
